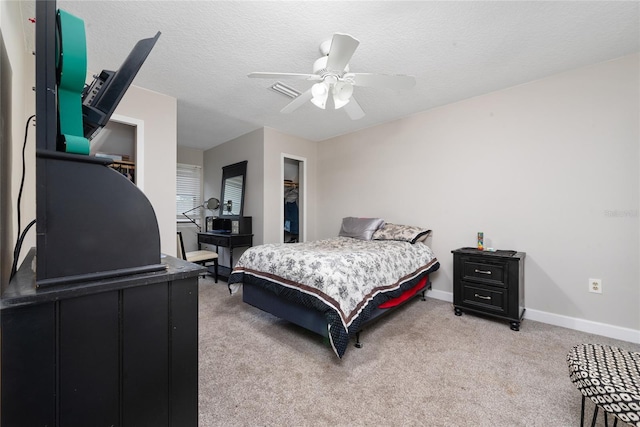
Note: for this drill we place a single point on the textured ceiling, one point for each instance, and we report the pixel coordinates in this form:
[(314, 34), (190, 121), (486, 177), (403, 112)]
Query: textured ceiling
[(456, 50)]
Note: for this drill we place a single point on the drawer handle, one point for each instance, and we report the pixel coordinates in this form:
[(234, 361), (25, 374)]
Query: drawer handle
[(482, 271), (482, 296)]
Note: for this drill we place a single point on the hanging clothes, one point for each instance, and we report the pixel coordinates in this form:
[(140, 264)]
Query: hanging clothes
[(291, 194), (291, 221)]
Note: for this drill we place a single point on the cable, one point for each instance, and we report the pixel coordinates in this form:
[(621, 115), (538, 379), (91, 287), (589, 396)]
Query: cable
[(16, 253), (21, 235), (24, 146)]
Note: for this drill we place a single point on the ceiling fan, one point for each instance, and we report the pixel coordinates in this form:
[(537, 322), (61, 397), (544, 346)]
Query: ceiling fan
[(332, 77)]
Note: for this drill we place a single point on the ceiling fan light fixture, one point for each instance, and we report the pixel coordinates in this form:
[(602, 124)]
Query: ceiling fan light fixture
[(342, 92), (320, 92), (320, 102)]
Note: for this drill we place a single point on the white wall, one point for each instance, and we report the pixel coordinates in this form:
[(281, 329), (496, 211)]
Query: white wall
[(263, 148), (190, 156), (22, 66), (549, 168), (158, 112)]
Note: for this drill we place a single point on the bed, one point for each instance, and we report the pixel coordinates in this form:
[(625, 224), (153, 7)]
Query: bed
[(335, 286)]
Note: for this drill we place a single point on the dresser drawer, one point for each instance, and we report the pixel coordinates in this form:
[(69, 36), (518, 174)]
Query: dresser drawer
[(481, 270), (488, 299)]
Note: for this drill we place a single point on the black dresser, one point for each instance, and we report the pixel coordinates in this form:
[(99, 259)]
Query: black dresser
[(113, 352), (489, 283)]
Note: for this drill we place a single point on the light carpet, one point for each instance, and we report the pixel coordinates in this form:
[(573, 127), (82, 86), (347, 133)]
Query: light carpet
[(419, 366)]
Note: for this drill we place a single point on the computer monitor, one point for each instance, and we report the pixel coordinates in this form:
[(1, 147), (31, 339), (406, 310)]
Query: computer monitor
[(102, 96)]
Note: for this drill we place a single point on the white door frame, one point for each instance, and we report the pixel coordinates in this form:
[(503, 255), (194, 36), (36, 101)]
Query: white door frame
[(302, 191)]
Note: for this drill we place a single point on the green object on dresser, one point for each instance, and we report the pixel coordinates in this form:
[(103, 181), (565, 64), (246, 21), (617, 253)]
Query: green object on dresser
[(71, 64)]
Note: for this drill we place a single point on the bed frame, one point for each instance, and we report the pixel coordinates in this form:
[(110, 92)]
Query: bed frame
[(307, 317)]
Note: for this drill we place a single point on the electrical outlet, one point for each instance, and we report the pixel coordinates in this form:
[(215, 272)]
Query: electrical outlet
[(595, 285)]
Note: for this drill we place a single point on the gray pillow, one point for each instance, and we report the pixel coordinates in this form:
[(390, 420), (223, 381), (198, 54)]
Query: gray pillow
[(360, 228)]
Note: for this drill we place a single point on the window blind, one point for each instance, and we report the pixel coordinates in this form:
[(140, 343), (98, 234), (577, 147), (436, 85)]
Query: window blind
[(188, 191)]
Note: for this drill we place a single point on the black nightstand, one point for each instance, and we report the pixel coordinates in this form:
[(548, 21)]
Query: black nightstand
[(490, 283)]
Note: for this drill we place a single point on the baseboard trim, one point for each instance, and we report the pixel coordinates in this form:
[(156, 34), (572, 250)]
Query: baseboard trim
[(441, 295), (606, 330)]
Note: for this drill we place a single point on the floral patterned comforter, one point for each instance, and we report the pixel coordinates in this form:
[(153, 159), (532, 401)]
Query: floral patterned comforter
[(343, 277)]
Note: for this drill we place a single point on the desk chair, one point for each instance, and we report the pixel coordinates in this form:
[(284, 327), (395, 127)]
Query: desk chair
[(198, 257)]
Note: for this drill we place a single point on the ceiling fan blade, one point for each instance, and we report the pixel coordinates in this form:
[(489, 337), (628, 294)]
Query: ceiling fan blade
[(297, 102), (391, 81), (342, 48), (353, 109), (299, 76)]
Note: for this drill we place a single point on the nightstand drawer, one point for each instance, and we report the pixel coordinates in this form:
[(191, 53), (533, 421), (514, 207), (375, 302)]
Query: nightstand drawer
[(481, 271), (488, 299)]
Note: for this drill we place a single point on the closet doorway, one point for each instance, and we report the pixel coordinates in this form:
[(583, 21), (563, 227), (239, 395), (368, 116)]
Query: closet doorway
[(293, 206), (122, 140)]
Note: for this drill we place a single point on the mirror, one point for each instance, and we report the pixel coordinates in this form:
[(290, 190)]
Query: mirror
[(232, 196), (232, 192)]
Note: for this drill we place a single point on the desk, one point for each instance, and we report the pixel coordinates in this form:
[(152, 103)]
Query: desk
[(226, 240)]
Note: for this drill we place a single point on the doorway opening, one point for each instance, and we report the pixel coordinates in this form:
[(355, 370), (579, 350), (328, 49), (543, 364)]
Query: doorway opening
[(293, 211), (122, 140)]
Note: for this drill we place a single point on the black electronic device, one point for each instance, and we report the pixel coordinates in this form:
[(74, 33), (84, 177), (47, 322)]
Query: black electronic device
[(85, 209), (102, 96), (236, 225), (220, 225)]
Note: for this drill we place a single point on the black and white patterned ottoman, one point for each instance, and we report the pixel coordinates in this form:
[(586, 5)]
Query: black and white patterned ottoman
[(610, 377)]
